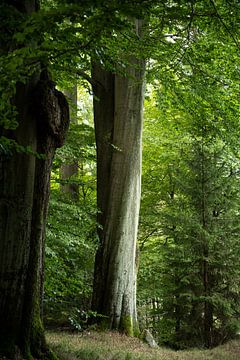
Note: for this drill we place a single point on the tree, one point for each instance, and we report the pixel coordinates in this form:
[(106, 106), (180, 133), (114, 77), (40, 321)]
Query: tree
[(193, 190), (28, 47), (114, 194), (69, 171), (118, 125), (26, 159), (197, 222)]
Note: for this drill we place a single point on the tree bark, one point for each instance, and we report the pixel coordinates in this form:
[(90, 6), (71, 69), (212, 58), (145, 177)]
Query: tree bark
[(70, 170), (118, 107), (24, 189), (207, 315)]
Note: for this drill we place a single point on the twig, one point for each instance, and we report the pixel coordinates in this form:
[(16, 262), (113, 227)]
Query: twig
[(223, 23)]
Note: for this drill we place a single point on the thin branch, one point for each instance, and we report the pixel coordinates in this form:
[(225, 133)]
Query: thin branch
[(85, 76), (223, 23), (146, 238)]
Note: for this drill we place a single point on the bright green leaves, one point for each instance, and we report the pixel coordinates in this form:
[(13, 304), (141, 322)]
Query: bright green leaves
[(189, 217), (71, 229), (62, 36), (8, 146)]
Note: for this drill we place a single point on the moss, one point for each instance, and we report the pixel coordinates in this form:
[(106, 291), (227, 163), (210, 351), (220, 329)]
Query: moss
[(136, 331), (37, 334), (126, 325), (36, 346), (39, 347)]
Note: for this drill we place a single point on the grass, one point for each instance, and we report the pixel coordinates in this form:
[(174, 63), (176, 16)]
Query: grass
[(94, 345)]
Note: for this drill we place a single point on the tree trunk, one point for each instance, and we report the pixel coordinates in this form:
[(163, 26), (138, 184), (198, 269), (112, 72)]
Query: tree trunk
[(207, 315), (118, 126), (70, 170), (208, 310), (68, 186), (24, 190)]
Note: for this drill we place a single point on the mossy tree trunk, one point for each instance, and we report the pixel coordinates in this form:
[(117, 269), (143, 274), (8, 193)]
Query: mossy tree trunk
[(24, 190), (118, 126)]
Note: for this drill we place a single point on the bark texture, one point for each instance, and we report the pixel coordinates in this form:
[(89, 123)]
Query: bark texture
[(69, 171), (24, 189), (118, 110)]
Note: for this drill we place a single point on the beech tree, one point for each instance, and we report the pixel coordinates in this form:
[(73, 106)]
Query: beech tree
[(27, 148), (25, 162), (118, 106)]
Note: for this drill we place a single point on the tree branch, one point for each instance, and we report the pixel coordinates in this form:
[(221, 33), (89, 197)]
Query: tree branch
[(224, 24)]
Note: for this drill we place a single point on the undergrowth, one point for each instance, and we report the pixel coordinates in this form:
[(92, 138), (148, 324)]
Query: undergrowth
[(94, 345)]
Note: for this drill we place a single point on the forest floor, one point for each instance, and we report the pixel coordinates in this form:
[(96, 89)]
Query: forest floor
[(94, 345)]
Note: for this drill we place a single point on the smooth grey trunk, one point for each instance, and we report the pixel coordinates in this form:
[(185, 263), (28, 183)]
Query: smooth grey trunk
[(118, 113)]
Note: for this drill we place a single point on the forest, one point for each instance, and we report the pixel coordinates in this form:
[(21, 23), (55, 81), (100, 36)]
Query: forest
[(119, 179)]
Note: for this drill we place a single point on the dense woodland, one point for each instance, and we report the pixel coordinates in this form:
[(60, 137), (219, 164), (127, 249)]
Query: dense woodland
[(108, 221)]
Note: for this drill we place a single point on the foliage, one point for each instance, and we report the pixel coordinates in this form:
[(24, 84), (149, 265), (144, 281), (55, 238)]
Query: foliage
[(71, 229), (70, 246), (63, 36), (190, 208)]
